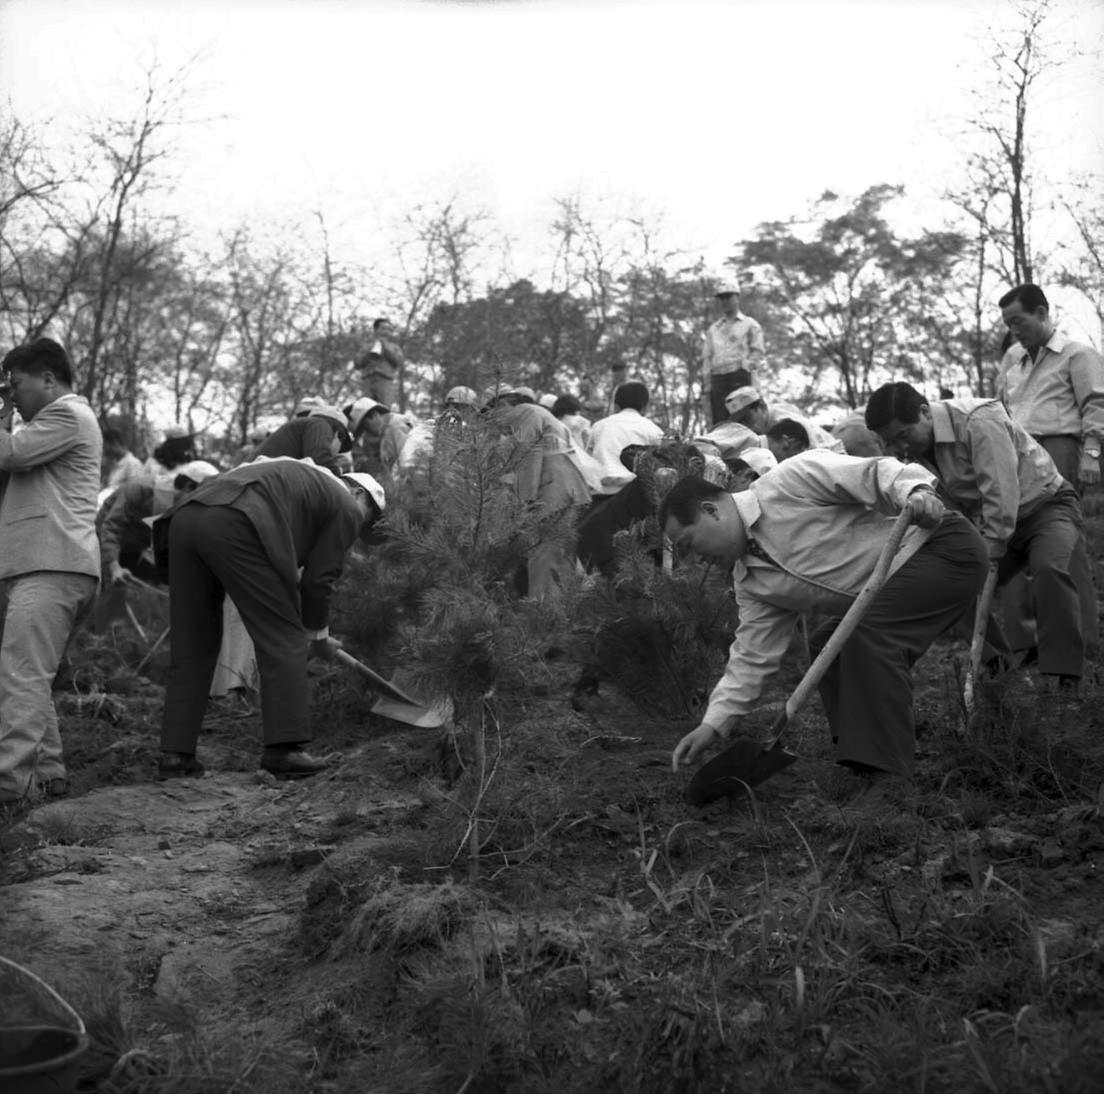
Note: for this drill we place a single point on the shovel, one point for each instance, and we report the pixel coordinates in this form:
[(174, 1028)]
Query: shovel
[(747, 763), (394, 703), (977, 643)]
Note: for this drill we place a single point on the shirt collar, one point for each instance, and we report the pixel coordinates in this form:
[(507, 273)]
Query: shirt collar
[(942, 432), (747, 505)]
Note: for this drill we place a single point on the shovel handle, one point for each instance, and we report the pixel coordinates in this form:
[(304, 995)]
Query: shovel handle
[(844, 630), (977, 640)]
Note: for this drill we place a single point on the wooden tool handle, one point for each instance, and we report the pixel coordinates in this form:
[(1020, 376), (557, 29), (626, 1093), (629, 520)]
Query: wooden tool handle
[(846, 627)]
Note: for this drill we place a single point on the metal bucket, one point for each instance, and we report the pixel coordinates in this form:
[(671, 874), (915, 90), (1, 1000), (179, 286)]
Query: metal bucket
[(41, 1036)]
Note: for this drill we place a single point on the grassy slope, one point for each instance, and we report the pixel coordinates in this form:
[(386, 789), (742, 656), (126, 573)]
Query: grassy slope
[(608, 938)]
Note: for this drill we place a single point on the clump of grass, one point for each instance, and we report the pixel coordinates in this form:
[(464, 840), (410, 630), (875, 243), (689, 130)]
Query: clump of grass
[(401, 917)]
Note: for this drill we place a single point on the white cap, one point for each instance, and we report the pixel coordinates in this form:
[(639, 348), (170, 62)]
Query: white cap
[(366, 482), (742, 397), (548, 401), (760, 460), (196, 471), (358, 411), (730, 286), (331, 414), (461, 396)]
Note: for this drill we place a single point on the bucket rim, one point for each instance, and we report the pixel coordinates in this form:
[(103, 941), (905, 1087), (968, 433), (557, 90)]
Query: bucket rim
[(67, 1008), (54, 1063)]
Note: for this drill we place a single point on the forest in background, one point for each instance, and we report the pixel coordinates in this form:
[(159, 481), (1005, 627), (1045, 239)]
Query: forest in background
[(229, 337)]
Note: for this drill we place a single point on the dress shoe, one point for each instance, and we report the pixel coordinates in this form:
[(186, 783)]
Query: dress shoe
[(291, 763), (57, 787), (178, 765)]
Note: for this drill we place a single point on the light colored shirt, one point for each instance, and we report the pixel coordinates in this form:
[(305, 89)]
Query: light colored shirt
[(822, 519), (128, 469), (1060, 393), (608, 436), (989, 466), (730, 344), (48, 503)]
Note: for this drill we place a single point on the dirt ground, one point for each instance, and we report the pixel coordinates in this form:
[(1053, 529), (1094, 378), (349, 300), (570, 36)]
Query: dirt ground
[(554, 916)]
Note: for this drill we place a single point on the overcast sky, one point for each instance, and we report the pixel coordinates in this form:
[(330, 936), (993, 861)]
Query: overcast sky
[(720, 114)]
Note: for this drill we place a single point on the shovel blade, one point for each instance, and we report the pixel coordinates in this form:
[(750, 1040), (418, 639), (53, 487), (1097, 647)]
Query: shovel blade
[(731, 773), (413, 714)]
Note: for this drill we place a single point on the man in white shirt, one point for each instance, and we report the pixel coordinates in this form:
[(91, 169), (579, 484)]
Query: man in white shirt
[(732, 350), (747, 407), (610, 436)]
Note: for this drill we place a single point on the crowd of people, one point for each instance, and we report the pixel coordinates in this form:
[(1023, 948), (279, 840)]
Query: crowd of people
[(798, 512)]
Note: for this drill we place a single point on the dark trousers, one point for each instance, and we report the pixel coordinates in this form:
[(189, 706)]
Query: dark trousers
[(215, 551), (719, 386), (1050, 545), (867, 691), (1017, 598)]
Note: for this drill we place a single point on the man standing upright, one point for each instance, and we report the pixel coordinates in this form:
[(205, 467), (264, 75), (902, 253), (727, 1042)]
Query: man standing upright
[(49, 556), (733, 349), (1053, 387), (382, 363)]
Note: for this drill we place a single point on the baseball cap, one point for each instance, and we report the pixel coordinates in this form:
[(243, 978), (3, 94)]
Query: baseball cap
[(728, 287), (176, 431), (760, 460), (366, 482), (741, 398)]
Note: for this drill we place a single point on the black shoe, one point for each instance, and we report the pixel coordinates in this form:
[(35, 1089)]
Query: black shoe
[(291, 763), (178, 765), (54, 788)]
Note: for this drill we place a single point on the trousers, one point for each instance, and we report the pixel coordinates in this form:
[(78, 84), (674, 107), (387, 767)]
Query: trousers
[(214, 551), (38, 612), (867, 690)]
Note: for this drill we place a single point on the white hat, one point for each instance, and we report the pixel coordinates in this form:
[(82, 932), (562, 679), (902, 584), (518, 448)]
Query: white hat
[(461, 396), (360, 409), (331, 414), (306, 405), (742, 397), (730, 286), (176, 431), (196, 471), (366, 482), (548, 401), (760, 460)]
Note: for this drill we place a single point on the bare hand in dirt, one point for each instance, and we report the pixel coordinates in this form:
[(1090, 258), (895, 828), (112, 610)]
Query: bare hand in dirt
[(324, 648), (688, 749), (119, 575), (926, 508)]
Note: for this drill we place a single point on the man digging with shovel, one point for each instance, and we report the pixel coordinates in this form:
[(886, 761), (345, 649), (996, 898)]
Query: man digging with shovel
[(808, 537)]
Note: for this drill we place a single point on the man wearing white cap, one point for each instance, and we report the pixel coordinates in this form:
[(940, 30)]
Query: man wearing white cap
[(732, 351), (378, 429), (747, 407), (123, 522), (246, 534), (320, 436)]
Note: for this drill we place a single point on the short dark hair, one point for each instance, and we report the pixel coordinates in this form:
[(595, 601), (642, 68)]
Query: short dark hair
[(1029, 296), (898, 401), (113, 437), (377, 323), (789, 429), (631, 395), (684, 500), (566, 404), (41, 355)]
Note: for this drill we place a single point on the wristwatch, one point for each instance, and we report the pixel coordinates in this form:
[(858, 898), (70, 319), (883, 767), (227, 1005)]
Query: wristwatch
[(1094, 451)]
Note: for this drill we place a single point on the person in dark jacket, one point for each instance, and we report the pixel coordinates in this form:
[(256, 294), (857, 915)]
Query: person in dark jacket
[(321, 436), (245, 534)]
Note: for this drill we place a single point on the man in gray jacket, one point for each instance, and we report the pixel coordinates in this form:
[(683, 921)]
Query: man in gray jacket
[(49, 556)]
